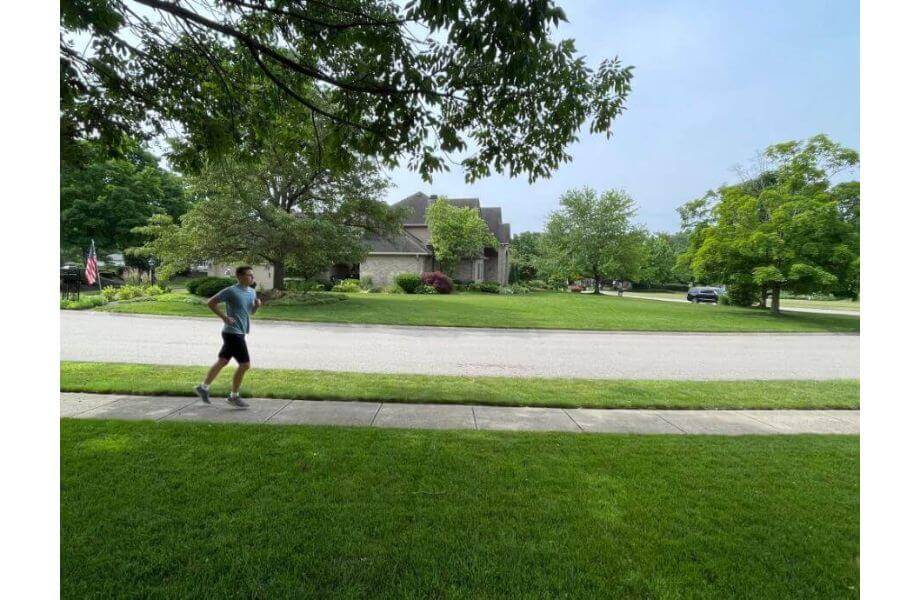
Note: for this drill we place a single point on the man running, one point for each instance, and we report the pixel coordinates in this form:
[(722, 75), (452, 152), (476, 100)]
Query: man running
[(241, 301)]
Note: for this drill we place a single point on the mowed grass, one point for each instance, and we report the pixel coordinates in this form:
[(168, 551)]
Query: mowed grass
[(501, 391), (539, 311), (850, 305), (847, 305), (181, 510)]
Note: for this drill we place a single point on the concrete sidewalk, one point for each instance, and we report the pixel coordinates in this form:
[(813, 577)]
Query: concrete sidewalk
[(453, 416)]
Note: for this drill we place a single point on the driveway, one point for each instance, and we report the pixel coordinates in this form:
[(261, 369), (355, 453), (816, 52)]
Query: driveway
[(108, 337)]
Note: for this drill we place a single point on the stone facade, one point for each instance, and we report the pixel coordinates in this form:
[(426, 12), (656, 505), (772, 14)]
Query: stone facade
[(387, 254), (470, 270), (384, 267)]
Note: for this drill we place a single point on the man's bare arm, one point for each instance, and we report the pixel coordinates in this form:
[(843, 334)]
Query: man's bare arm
[(214, 305), (256, 305)]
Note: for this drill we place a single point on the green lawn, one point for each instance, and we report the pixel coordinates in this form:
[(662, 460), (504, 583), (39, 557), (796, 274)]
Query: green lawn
[(586, 393), (181, 510), (851, 305), (848, 305), (545, 310)]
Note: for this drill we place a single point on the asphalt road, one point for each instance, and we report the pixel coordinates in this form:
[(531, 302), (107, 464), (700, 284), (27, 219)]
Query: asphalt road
[(107, 337)]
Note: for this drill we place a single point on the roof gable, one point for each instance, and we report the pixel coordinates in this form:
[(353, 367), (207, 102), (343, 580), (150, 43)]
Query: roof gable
[(403, 242), (416, 204), (492, 215)]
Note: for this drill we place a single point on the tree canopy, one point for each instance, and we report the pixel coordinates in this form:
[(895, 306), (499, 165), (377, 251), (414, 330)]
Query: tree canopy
[(256, 213), (457, 233), (525, 255), (482, 82), (593, 236), (104, 198), (786, 228)]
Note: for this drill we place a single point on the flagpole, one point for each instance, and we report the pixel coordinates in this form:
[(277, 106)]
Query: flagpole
[(98, 274)]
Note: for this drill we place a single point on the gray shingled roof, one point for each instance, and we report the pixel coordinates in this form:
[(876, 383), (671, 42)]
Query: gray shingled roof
[(492, 215), (418, 203), (401, 242), (464, 202)]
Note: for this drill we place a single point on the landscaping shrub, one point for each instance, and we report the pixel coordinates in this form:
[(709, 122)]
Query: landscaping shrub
[(576, 289), (517, 288), (505, 290), (154, 290), (425, 289), (439, 281), (83, 303), (555, 282), (347, 286), (487, 287), (208, 286), (176, 297), (742, 294), (409, 282), (300, 285), (110, 293), (192, 284), (367, 282), (393, 289), (287, 297), (128, 292), (536, 285)]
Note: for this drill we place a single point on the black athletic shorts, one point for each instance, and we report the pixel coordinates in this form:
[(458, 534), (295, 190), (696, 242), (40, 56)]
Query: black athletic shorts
[(234, 347)]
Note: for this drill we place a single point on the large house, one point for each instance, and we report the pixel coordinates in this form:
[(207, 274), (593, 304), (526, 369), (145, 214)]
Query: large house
[(410, 250)]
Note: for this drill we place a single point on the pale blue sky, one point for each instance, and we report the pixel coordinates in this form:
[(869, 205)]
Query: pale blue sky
[(714, 82)]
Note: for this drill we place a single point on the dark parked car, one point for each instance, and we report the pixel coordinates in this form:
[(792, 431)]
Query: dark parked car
[(703, 294)]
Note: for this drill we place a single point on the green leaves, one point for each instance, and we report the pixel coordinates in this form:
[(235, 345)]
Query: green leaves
[(592, 236), (783, 227), (493, 85), (104, 199), (457, 233)]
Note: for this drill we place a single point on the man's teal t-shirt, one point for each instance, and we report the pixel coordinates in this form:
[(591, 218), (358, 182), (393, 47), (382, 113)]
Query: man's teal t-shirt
[(239, 301)]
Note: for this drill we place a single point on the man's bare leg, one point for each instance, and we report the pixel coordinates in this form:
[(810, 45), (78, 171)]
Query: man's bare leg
[(238, 377), (203, 389), (215, 370), (234, 398)]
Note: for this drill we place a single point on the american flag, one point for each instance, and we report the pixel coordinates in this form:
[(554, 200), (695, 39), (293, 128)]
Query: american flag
[(92, 269)]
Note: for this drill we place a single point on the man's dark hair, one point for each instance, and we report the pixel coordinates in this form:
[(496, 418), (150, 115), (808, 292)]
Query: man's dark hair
[(243, 269)]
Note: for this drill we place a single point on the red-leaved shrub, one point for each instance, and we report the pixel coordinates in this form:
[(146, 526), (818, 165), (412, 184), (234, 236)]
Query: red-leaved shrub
[(576, 288), (439, 281)]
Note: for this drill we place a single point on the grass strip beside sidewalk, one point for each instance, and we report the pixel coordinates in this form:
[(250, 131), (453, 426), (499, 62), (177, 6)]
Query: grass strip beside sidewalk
[(122, 378), (584, 312), (187, 510)]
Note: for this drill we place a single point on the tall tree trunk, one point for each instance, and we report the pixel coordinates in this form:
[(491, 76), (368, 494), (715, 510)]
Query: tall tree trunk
[(763, 296), (774, 304), (597, 283), (278, 274)]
